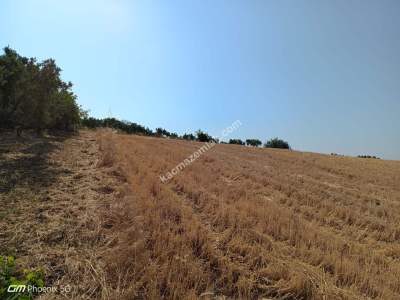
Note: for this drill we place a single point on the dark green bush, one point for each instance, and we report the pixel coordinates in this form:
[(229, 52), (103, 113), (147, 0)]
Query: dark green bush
[(161, 132), (125, 126), (189, 137), (277, 143), (236, 142), (203, 137), (368, 156), (253, 142)]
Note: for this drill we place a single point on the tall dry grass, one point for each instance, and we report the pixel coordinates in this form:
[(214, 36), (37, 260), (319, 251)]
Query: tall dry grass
[(250, 223)]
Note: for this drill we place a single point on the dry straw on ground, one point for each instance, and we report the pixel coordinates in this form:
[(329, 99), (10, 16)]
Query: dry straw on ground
[(239, 223), (251, 223), (53, 199)]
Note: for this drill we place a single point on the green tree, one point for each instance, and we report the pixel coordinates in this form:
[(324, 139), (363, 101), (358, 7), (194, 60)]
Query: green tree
[(203, 137), (65, 112), (277, 143), (33, 96), (253, 142), (162, 132), (13, 86), (236, 142), (174, 135), (189, 137)]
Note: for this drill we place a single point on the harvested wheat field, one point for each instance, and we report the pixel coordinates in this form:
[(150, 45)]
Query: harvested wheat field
[(238, 223), (247, 223)]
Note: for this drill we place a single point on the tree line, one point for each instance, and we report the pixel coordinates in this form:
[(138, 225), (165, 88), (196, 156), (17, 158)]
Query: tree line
[(33, 95), (200, 136), (272, 143), (133, 128), (368, 156)]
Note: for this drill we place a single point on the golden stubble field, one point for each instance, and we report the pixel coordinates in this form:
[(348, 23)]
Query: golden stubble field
[(251, 223)]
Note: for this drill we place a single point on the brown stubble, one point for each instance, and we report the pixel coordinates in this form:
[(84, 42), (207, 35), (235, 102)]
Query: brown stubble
[(250, 223)]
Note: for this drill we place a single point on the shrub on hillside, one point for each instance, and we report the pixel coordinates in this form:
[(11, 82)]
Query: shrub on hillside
[(253, 142), (236, 142), (203, 137), (125, 126), (161, 132), (188, 137), (277, 143)]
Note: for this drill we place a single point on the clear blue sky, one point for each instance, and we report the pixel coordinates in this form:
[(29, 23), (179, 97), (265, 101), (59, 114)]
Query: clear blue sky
[(324, 75)]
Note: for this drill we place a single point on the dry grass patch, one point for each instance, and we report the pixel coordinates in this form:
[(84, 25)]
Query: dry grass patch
[(53, 201)]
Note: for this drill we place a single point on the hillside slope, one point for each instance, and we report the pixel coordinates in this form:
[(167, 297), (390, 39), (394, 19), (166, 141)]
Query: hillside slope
[(250, 223), (238, 223)]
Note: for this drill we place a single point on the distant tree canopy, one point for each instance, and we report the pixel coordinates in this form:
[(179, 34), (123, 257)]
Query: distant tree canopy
[(203, 137), (236, 142), (188, 137), (162, 132), (128, 127), (200, 136), (277, 143), (33, 95), (253, 142), (368, 156), (174, 135)]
